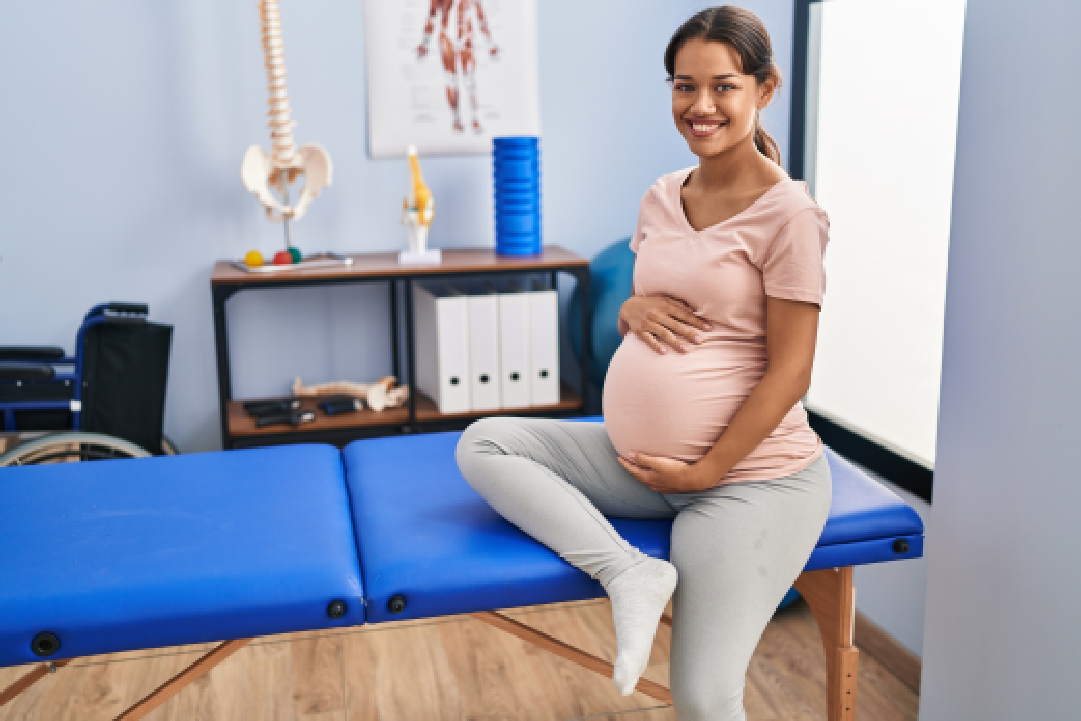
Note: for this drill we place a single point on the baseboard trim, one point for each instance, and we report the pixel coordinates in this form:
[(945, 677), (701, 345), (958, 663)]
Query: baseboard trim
[(897, 659)]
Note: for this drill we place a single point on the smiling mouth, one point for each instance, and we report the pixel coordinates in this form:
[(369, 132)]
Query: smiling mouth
[(701, 130)]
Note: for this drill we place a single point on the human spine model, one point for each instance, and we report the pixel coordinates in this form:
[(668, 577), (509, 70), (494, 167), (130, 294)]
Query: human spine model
[(261, 172)]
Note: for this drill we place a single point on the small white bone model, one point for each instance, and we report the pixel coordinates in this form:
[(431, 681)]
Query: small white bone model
[(259, 171), (379, 395)]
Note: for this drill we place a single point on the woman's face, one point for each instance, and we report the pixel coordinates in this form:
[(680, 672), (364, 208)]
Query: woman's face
[(713, 103)]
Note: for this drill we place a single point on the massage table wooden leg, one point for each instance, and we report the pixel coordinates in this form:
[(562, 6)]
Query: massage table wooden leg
[(578, 656), (177, 683), (35, 675), (832, 598)]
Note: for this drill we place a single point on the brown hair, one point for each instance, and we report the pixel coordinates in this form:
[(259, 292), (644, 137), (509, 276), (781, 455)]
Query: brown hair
[(743, 31)]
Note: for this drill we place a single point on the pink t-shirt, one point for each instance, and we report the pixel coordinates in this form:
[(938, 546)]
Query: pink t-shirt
[(678, 404)]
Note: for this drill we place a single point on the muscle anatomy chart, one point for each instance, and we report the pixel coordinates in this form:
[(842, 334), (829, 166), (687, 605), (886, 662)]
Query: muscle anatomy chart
[(448, 75)]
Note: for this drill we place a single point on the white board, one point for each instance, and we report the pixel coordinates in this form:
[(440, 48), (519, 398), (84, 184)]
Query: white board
[(408, 98)]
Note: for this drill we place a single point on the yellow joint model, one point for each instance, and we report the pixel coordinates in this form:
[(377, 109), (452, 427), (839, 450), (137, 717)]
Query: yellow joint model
[(418, 210), (420, 200)]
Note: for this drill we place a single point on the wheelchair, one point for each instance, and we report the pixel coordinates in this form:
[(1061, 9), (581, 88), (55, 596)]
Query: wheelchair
[(106, 401)]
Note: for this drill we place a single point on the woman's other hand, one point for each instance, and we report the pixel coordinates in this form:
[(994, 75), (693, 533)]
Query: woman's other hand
[(667, 475), (660, 321)]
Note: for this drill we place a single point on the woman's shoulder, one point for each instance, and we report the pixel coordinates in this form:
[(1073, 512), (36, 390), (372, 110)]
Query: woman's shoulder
[(783, 202)]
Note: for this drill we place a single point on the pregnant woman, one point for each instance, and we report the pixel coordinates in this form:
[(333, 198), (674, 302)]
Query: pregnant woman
[(702, 414)]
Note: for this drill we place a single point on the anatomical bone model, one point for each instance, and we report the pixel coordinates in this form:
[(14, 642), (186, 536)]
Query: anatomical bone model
[(261, 172), (379, 395), (418, 211)]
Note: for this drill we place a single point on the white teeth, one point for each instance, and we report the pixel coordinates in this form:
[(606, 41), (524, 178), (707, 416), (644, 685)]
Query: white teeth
[(704, 128)]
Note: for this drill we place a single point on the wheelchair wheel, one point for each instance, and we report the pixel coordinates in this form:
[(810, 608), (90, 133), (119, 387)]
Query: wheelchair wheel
[(69, 447)]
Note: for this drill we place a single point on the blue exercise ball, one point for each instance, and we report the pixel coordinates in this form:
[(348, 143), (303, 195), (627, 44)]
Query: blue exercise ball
[(611, 281)]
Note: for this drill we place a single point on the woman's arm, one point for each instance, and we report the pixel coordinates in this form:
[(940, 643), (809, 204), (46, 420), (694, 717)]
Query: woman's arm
[(791, 330)]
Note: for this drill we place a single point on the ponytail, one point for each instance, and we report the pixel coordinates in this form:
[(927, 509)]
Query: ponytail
[(766, 144)]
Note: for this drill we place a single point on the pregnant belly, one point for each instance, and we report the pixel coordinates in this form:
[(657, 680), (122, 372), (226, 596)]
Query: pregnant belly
[(677, 404)]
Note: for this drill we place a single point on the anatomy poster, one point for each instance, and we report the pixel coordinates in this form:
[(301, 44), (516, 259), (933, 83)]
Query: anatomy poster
[(449, 75)]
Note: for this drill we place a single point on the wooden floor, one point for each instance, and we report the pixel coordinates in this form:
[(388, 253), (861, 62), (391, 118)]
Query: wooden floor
[(450, 668)]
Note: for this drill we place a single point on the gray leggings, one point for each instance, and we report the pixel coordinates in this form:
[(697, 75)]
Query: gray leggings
[(737, 547)]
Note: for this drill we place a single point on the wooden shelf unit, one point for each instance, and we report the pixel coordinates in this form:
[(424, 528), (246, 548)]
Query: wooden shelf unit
[(420, 414), (243, 425)]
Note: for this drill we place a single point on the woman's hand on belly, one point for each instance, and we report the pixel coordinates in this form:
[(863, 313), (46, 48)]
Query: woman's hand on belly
[(667, 475), (660, 320)]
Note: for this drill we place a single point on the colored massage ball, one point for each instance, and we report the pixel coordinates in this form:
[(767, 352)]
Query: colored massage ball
[(253, 259), (295, 252), (283, 257)]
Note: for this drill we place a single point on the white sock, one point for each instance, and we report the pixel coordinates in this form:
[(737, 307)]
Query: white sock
[(639, 596)]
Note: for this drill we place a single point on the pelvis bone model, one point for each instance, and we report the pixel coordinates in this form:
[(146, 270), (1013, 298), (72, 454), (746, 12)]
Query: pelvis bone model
[(286, 162)]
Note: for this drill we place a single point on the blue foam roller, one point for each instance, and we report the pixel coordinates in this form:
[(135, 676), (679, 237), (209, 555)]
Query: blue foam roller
[(517, 199), (516, 170), (516, 208), (517, 223), (529, 185), (515, 141)]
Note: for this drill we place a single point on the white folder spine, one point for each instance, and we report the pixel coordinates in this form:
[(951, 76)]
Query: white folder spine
[(514, 349), (484, 372), (544, 347), (441, 340)]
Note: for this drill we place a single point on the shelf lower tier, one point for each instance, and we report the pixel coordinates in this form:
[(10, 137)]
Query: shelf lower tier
[(241, 425)]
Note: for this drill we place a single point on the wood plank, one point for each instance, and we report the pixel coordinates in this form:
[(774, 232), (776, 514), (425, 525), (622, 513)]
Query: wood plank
[(318, 681)]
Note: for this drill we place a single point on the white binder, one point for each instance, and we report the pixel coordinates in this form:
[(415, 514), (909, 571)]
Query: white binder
[(514, 347), (441, 343), (484, 372), (544, 346)]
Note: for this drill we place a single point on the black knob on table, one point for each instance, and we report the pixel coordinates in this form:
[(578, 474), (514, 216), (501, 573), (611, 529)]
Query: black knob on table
[(337, 609), (396, 604), (900, 545), (45, 644)]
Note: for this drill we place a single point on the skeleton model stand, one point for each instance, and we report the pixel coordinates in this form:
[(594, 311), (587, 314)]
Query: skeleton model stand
[(261, 172)]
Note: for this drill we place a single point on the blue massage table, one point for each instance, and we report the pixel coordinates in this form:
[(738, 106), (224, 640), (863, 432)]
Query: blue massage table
[(132, 554)]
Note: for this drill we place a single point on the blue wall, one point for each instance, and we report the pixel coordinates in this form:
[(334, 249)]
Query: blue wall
[(124, 124)]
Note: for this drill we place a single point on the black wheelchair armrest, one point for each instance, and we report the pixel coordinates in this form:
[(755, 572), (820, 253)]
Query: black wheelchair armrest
[(30, 353), (26, 371)]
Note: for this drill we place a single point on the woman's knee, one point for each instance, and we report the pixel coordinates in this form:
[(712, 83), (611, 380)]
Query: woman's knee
[(477, 443), (480, 437)]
